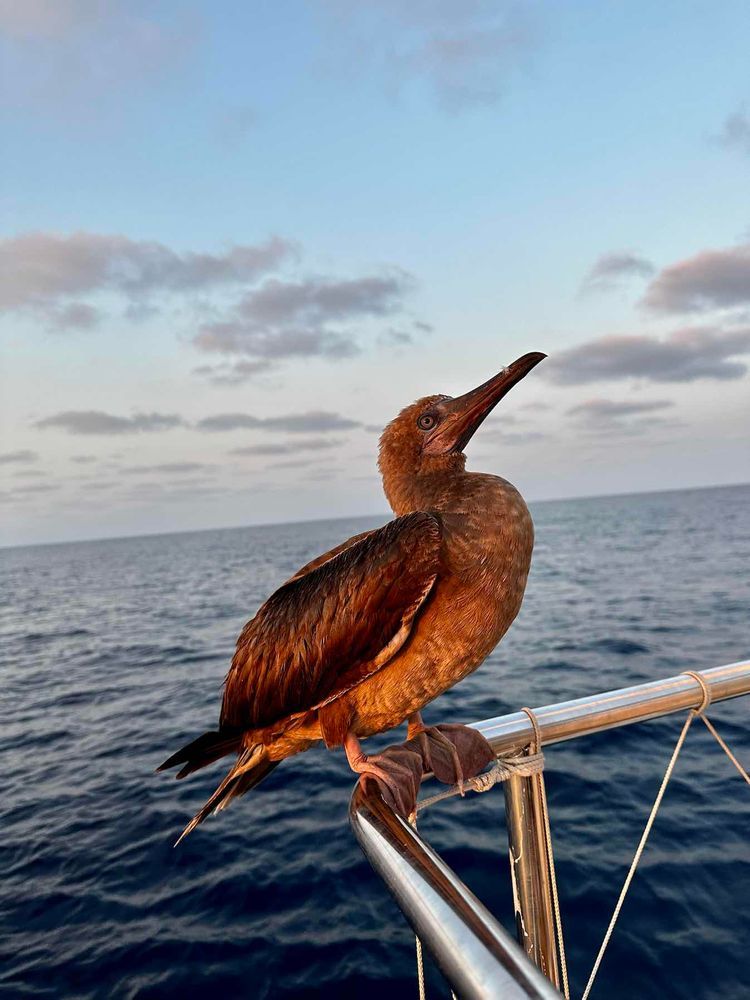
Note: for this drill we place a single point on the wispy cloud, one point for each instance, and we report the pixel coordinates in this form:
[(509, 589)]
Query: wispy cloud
[(74, 316), (253, 321), (464, 52), (26, 473), (284, 319), (174, 468), (44, 269), (713, 279), (684, 356), (233, 125), (609, 270), (70, 56), (611, 409), (98, 422), (288, 447), (234, 372), (735, 132), (630, 417), (23, 456), (294, 423)]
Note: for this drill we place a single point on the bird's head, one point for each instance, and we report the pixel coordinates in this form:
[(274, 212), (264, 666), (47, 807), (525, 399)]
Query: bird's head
[(426, 441)]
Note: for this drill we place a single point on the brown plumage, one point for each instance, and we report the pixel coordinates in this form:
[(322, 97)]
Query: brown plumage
[(364, 636)]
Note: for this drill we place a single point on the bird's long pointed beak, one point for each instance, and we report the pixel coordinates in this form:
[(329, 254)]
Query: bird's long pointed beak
[(463, 415)]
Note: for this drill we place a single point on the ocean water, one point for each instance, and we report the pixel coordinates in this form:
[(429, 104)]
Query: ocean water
[(114, 653)]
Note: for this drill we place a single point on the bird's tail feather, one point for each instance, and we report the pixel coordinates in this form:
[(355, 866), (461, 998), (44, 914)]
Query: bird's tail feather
[(205, 750), (253, 765)]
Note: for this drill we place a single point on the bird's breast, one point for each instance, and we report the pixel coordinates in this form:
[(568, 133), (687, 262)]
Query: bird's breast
[(485, 562)]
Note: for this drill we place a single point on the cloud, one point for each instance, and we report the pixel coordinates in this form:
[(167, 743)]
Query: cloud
[(292, 463), (179, 468), (463, 52), (610, 268), (74, 55), (98, 422), (23, 456), (735, 132), (75, 316), (234, 125), (612, 409), (67, 278), (713, 279), (284, 319), (43, 269), (684, 356), (294, 423), (100, 484), (500, 437), (35, 488), (611, 416), (30, 474), (234, 372), (287, 447), (393, 337)]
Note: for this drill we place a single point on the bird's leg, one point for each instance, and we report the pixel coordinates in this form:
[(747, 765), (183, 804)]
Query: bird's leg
[(397, 771), (452, 752), (414, 725)]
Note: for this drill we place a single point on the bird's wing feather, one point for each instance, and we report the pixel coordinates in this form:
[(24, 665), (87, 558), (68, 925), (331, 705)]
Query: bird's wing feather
[(319, 560), (323, 632)]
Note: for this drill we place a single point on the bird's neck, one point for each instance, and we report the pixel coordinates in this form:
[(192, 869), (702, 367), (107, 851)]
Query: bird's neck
[(448, 491)]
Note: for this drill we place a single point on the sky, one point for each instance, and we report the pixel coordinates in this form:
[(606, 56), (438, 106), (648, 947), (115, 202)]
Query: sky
[(236, 239)]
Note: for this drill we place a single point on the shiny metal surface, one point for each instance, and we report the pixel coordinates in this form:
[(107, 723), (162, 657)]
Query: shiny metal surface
[(594, 713), (530, 874), (474, 953)]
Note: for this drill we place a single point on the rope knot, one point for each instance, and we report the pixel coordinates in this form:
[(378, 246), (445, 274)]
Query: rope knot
[(706, 701)]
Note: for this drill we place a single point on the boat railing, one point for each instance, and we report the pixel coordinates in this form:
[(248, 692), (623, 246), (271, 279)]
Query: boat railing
[(478, 958)]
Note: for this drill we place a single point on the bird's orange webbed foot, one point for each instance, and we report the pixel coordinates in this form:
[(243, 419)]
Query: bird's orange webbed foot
[(397, 771), (454, 753)]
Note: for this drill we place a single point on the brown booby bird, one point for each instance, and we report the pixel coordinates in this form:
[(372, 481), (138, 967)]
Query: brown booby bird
[(363, 637)]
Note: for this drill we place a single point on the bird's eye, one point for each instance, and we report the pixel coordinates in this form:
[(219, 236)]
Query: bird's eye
[(426, 422)]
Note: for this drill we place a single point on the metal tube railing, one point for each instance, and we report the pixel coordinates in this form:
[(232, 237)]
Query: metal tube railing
[(524, 797), (570, 719), (477, 957), (473, 951)]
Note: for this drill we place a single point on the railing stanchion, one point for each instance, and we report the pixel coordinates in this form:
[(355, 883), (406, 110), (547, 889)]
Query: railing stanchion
[(529, 872)]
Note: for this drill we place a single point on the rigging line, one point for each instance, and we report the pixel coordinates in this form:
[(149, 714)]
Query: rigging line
[(420, 954), (642, 843), (523, 765), (709, 725), (725, 748), (537, 749)]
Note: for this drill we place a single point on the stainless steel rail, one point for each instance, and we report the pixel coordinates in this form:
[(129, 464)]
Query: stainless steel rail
[(477, 957), (473, 951), (622, 707), (525, 800)]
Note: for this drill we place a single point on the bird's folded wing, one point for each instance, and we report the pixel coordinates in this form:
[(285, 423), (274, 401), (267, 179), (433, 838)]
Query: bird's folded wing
[(323, 632), (319, 560)]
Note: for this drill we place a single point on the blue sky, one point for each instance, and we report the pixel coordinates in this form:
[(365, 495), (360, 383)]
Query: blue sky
[(415, 196)]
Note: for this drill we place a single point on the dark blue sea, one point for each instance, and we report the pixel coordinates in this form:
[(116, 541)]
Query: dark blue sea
[(114, 655)]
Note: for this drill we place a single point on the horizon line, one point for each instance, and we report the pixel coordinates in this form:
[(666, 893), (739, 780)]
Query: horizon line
[(322, 520)]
